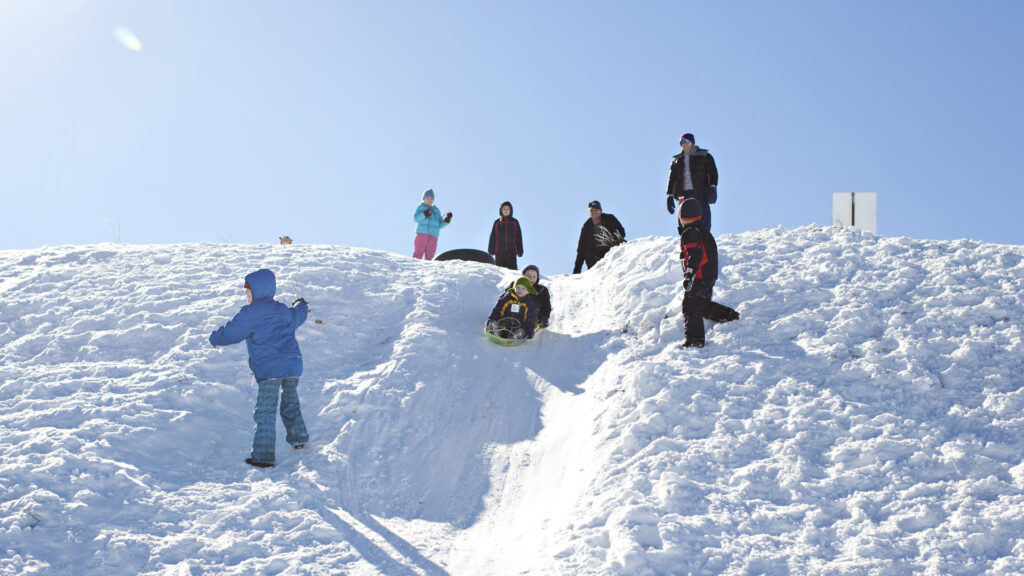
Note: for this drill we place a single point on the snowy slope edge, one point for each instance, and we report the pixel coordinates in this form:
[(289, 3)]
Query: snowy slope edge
[(863, 415)]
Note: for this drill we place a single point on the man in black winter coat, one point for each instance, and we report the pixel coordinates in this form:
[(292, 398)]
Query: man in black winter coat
[(693, 174), (600, 232), (506, 238), (698, 252)]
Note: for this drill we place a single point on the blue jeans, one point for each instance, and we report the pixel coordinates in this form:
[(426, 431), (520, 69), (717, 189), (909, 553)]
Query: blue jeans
[(266, 419)]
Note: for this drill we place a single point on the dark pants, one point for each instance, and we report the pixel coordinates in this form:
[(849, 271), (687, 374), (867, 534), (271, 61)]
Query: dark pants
[(506, 260), (705, 208), (697, 306)]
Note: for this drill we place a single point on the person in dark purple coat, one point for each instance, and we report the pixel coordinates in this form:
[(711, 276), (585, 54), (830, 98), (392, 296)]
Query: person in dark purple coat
[(506, 238)]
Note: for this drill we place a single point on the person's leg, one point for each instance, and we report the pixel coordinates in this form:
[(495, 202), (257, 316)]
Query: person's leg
[(720, 313), (265, 416), (290, 413), (694, 303), (420, 245), (705, 214), (431, 247), (506, 260), (717, 312)]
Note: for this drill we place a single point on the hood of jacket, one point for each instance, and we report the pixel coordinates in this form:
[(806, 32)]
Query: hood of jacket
[(262, 283), (510, 210)]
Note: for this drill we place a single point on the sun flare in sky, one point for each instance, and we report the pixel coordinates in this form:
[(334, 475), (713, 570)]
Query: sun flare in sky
[(128, 39)]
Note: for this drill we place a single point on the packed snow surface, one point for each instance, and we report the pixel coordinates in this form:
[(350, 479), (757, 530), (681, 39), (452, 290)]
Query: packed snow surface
[(864, 416)]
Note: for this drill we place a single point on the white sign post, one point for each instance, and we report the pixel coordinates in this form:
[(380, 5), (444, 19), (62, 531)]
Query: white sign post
[(857, 209)]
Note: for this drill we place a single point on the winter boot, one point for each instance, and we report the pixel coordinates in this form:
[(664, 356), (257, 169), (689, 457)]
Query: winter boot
[(252, 462), (693, 344)]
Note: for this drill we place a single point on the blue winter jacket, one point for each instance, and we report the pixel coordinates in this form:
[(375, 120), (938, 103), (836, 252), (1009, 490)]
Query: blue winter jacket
[(268, 328), (428, 225)]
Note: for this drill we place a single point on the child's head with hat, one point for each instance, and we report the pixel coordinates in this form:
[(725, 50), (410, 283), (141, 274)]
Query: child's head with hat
[(689, 210), (523, 286), (532, 273)]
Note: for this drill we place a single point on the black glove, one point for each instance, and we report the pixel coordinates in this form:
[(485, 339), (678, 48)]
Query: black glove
[(688, 276), (448, 217), (671, 205), (427, 213), (303, 300), (713, 195)]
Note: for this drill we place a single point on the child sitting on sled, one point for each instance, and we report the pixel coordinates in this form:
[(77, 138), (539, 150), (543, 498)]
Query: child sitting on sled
[(543, 297), (515, 314)]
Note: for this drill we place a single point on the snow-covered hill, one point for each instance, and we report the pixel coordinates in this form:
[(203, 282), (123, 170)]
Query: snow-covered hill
[(865, 415)]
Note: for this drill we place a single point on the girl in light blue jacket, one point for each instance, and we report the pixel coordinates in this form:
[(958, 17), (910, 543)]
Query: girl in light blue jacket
[(428, 226)]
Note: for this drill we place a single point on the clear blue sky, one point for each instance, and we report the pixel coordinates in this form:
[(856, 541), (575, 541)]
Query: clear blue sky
[(326, 120)]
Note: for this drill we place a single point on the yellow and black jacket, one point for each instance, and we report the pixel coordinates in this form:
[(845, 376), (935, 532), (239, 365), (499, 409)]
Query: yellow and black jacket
[(523, 309)]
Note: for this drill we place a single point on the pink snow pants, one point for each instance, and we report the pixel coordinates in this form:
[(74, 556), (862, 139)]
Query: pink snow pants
[(425, 246)]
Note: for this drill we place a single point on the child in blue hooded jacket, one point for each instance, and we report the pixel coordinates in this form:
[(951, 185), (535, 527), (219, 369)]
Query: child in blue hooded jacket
[(268, 328), (428, 226)]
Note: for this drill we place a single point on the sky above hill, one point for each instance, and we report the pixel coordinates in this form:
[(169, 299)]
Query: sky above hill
[(188, 121)]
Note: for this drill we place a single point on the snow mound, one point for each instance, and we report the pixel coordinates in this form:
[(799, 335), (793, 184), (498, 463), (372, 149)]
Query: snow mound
[(863, 416)]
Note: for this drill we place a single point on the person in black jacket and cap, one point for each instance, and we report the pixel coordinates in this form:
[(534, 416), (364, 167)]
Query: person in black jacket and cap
[(506, 238), (693, 174), (600, 232), (699, 255)]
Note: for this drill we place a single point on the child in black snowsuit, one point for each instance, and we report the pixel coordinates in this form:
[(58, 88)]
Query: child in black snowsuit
[(699, 256), (506, 238), (516, 302)]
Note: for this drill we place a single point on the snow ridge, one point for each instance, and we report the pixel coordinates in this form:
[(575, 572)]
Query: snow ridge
[(863, 416)]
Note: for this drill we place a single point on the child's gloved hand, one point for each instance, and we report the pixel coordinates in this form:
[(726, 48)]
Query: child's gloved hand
[(303, 300), (671, 204), (448, 218), (427, 212), (688, 276)]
